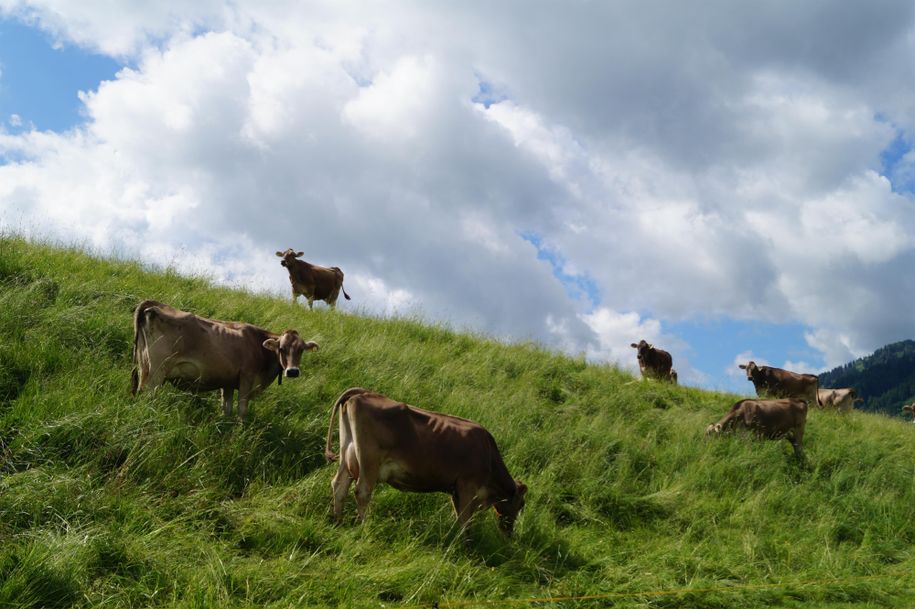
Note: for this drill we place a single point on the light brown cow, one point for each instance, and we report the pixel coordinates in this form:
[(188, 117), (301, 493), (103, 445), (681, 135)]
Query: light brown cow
[(771, 419), (843, 400), (778, 383), (312, 281), (420, 451), (654, 363), (205, 354)]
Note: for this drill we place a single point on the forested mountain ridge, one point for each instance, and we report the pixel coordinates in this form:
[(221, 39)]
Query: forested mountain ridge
[(885, 379)]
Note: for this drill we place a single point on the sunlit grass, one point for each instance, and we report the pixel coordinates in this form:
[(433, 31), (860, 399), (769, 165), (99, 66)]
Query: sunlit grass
[(107, 500)]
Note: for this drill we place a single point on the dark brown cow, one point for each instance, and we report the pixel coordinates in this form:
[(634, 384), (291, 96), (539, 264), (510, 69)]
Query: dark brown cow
[(420, 451), (777, 383), (312, 281), (771, 419), (654, 363), (843, 400), (205, 354)]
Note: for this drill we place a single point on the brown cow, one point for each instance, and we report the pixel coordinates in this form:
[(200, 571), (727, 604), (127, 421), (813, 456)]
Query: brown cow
[(204, 354), (312, 281), (654, 363), (910, 408), (843, 400), (771, 419), (777, 383), (420, 451)]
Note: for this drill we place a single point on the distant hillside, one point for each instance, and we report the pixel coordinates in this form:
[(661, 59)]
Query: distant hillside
[(885, 379)]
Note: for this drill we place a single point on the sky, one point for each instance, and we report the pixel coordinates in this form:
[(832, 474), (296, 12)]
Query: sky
[(728, 180)]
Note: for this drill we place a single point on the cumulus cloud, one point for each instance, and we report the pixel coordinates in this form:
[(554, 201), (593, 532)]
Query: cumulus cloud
[(679, 161)]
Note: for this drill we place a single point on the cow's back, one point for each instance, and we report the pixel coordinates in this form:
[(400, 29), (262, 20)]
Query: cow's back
[(415, 449)]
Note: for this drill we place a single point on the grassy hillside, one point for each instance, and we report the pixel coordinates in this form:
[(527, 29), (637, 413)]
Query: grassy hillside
[(107, 500)]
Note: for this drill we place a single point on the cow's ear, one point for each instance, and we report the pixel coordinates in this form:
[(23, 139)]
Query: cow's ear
[(279, 254), (520, 488), (742, 366), (272, 344), (634, 346), (311, 346), (299, 254)]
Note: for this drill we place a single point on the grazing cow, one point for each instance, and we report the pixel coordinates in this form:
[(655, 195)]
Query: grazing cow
[(910, 408), (204, 354), (771, 419), (777, 383), (312, 281), (654, 363), (420, 451), (843, 400)]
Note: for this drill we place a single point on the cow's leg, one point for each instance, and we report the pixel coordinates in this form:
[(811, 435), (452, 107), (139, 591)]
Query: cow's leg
[(466, 503), (797, 439), (311, 302), (227, 396), (295, 296), (155, 379), (340, 487), (364, 488), (244, 394)]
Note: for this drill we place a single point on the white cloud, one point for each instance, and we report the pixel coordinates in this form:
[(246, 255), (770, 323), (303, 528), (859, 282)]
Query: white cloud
[(683, 169)]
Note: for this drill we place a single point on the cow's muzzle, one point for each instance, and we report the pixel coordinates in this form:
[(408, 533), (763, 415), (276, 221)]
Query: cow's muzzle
[(292, 372)]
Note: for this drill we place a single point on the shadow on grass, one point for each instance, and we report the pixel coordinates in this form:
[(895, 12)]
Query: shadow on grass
[(27, 580)]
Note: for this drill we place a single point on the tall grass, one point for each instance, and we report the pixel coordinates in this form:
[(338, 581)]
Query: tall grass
[(107, 500)]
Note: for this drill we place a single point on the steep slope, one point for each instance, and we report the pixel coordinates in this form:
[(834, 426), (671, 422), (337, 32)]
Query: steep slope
[(107, 500), (885, 379)]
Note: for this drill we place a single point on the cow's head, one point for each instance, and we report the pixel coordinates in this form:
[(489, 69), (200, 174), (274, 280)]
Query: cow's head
[(288, 257), (289, 348), (713, 430), (508, 509), (910, 408), (641, 348), (751, 368)]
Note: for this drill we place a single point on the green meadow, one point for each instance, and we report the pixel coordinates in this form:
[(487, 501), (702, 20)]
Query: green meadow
[(158, 501)]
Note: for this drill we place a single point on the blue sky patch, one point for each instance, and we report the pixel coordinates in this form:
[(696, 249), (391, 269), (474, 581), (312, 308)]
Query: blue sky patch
[(488, 95), (576, 286), (714, 343), (892, 155), (39, 83)]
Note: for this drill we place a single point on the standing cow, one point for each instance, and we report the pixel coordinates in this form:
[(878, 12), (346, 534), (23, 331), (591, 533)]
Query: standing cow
[(910, 408), (770, 419), (654, 363), (206, 354), (420, 451), (777, 383), (312, 281)]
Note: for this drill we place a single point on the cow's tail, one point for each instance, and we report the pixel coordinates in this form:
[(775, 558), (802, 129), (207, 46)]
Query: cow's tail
[(139, 319), (329, 453), (340, 275)]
